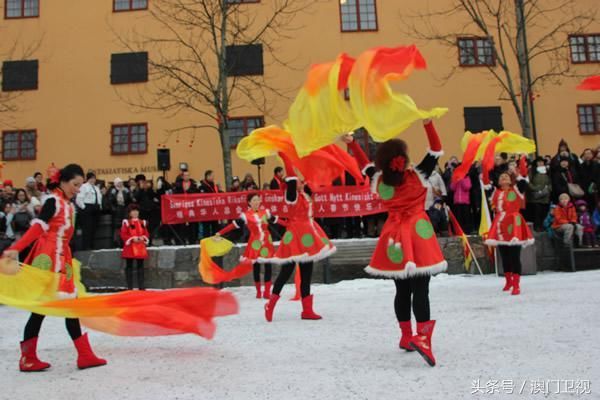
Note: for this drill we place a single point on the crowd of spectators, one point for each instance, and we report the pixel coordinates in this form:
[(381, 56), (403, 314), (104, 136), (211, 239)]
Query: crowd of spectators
[(562, 199)]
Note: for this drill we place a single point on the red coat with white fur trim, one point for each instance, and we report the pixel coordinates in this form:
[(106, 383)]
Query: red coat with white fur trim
[(509, 228), (135, 238), (407, 245)]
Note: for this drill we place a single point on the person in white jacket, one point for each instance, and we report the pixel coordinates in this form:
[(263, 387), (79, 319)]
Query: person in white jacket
[(89, 203), (436, 189)]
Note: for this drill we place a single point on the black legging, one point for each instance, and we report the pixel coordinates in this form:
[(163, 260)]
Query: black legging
[(256, 272), (511, 258), (32, 329), (129, 273), (412, 291), (286, 272)]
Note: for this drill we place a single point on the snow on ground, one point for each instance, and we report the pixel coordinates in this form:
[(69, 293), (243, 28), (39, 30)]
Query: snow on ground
[(550, 332)]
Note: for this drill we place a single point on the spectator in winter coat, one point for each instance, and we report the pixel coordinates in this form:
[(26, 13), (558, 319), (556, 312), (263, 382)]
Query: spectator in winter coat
[(235, 185), (39, 181), (462, 202), (596, 217), (538, 193), (562, 175), (208, 185), (585, 220), (565, 220), (589, 172), (248, 183), (119, 198), (438, 217), (277, 183), (563, 152), (436, 188)]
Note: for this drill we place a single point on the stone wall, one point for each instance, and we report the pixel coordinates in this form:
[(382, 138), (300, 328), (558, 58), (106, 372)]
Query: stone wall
[(169, 267)]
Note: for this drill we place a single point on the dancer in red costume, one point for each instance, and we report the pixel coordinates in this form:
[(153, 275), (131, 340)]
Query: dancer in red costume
[(509, 231), (260, 243), (135, 236), (407, 250), (52, 232), (303, 242)]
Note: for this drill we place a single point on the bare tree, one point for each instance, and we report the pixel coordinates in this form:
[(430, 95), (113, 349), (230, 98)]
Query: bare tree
[(188, 63), (508, 24)]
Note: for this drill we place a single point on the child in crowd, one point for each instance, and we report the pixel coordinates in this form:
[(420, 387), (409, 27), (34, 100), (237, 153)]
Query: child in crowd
[(565, 220), (438, 217), (135, 238), (585, 220)]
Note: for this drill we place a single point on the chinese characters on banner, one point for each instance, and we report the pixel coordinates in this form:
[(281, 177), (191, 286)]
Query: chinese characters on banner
[(327, 203)]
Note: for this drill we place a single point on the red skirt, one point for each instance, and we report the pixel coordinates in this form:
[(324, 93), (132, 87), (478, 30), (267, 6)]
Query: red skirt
[(261, 251), (407, 247), (303, 241), (509, 229)]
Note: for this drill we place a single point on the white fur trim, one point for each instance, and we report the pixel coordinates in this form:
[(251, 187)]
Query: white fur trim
[(243, 218), (65, 295), (487, 187), (128, 242), (146, 240), (436, 154), (513, 242), (410, 270), (523, 178), (43, 224), (366, 167), (125, 222), (276, 219), (235, 224), (325, 252), (375, 181), (291, 178), (68, 212)]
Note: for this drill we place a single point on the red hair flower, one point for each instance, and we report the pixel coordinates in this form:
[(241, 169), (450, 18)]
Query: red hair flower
[(55, 176), (398, 164)]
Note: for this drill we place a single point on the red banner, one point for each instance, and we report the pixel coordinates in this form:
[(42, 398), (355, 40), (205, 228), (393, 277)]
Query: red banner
[(337, 201)]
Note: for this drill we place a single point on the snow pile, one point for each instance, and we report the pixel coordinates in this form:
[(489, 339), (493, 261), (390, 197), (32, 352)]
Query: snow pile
[(549, 333)]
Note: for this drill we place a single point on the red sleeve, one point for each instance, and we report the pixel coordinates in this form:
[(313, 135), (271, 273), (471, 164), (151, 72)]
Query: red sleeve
[(435, 145), (359, 154), (523, 171), (289, 167), (125, 232), (32, 234), (227, 229)]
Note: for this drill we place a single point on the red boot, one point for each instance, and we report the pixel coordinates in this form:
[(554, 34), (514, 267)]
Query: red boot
[(508, 276), (86, 357), (406, 329), (267, 292), (258, 292), (29, 361), (307, 308), (270, 307), (421, 342), (516, 284)]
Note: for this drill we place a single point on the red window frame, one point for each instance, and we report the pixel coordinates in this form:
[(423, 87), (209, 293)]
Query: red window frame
[(130, 7), (586, 46), (595, 116), (19, 156), (245, 127), (358, 28), (129, 134), (474, 39), (22, 16)]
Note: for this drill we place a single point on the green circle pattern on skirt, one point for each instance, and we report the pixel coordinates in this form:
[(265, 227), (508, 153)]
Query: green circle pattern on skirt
[(308, 240), (287, 237), (424, 229), (519, 220), (395, 254), (386, 192), (511, 228), (512, 196), (43, 262), (325, 241), (256, 244), (69, 271), (264, 252)]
